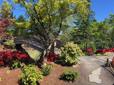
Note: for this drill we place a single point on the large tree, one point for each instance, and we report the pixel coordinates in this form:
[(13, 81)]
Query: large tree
[(48, 16)]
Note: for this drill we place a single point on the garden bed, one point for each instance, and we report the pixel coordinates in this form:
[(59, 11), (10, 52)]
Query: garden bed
[(52, 79)]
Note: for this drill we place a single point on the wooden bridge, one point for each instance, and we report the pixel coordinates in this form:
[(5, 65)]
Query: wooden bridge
[(35, 43)]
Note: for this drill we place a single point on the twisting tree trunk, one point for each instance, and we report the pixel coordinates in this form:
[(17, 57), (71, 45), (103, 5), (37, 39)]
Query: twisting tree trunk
[(87, 42)]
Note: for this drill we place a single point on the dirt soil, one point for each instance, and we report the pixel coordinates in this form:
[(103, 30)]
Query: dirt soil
[(52, 79)]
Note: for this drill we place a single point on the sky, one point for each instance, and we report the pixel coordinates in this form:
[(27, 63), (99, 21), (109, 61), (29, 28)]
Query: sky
[(102, 9)]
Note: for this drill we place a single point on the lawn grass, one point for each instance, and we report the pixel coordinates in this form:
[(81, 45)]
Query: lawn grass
[(34, 54)]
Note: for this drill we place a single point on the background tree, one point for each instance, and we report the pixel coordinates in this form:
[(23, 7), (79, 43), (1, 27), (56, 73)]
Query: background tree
[(20, 19), (83, 29), (102, 40)]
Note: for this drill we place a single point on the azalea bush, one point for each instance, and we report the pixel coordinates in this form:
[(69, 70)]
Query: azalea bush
[(70, 53), (70, 75), (7, 57), (90, 50), (52, 57), (104, 50), (29, 75)]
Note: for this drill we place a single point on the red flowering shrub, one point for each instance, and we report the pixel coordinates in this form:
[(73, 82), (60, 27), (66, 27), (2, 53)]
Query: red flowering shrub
[(51, 57), (1, 63), (90, 50), (99, 51), (113, 49), (16, 56), (103, 51)]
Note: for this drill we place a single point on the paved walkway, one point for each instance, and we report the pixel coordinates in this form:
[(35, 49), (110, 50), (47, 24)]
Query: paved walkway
[(93, 71)]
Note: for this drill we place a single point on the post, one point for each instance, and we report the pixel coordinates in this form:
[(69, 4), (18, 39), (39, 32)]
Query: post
[(54, 47), (108, 62)]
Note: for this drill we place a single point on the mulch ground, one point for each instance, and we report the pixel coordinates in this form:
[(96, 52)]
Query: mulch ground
[(52, 79)]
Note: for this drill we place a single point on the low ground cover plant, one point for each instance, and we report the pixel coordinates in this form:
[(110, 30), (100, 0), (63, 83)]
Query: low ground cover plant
[(8, 71), (0, 79), (29, 75), (46, 69), (83, 54), (88, 53), (105, 54), (70, 53), (98, 54), (70, 74)]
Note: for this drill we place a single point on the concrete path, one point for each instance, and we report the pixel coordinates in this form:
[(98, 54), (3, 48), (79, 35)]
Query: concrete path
[(93, 71)]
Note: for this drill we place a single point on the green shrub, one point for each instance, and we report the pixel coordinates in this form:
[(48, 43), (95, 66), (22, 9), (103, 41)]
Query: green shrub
[(29, 75), (83, 54), (46, 69), (69, 54), (16, 65), (8, 71), (88, 53), (98, 54), (0, 79), (10, 43), (105, 54), (70, 74)]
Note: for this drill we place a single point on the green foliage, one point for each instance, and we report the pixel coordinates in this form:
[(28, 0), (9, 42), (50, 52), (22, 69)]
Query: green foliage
[(0, 79), (46, 69), (10, 43), (70, 74), (29, 75), (70, 53), (20, 18), (8, 72), (92, 46), (98, 54), (105, 54), (89, 53), (81, 46), (83, 54), (56, 65), (50, 16), (16, 65)]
